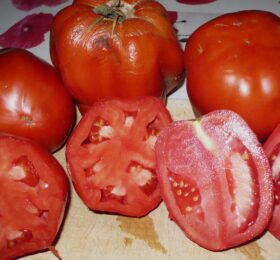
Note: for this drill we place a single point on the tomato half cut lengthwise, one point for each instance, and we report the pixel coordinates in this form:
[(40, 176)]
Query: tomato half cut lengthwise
[(110, 155), (215, 179), (272, 150), (33, 193)]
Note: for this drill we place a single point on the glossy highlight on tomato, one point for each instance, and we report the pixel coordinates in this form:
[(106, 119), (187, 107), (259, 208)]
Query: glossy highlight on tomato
[(110, 155), (116, 49), (272, 150), (33, 101), (33, 188), (233, 62), (215, 179)]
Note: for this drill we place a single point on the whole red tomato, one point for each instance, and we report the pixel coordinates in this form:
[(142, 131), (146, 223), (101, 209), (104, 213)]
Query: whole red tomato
[(124, 48), (33, 100), (195, 2), (233, 62)]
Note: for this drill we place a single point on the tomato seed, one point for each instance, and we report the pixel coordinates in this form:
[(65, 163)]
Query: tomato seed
[(195, 198)]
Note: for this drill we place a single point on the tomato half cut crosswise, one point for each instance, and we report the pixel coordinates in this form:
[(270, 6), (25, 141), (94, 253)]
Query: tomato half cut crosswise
[(215, 179), (33, 193), (110, 155), (272, 150)]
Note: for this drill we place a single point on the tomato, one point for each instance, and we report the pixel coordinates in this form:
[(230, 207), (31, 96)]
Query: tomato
[(33, 100), (272, 150), (33, 193), (109, 49), (215, 179), (195, 2), (233, 62), (110, 155)]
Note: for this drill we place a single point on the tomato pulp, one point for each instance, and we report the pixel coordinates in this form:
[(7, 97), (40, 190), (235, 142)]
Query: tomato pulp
[(215, 179), (111, 158), (272, 150), (33, 193)]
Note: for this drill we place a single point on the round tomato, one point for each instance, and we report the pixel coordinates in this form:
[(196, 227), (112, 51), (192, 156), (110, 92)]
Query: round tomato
[(33, 193), (110, 155), (272, 150), (233, 62), (215, 179), (123, 49), (195, 2), (33, 100)]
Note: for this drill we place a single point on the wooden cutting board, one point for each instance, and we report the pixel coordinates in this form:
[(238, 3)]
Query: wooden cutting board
[(87, 235)]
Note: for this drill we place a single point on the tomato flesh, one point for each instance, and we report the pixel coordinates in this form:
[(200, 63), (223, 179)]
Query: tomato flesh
[(111, 158), (215, 179), (33, 186), (272, 149)]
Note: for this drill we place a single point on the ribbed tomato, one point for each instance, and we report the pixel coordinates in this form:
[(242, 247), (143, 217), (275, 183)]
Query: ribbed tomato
[(125, 49)]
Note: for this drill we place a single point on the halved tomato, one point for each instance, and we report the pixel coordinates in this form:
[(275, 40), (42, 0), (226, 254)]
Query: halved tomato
[(33, 192), (215, 179), (272, 150), (110, 155)]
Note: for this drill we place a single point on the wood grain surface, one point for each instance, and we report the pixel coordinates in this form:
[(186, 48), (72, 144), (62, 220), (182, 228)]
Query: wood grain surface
[(87, 235)]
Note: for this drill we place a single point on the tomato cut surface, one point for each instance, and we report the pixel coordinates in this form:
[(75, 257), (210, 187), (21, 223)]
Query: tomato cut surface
[(272, 150), (110, 155), (33, 191), (215, 179)]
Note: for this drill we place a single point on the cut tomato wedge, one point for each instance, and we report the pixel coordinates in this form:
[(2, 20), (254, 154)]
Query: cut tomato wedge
[(272, 150), (33, 193), (111, 158), (215, 179)]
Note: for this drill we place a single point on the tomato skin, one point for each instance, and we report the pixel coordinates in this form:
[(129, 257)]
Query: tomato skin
[(195, 2), (110, 155), (40, 203), (229, 66), (33, 101), (141, 57), (215, 180), (272, 150)]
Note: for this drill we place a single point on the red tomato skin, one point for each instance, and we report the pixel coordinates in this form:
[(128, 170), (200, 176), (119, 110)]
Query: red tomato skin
[(229, 66), (124, 148), (49, 195), (269, 147), (213, 226), (33, 101), (195, 2), (142, 57)]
